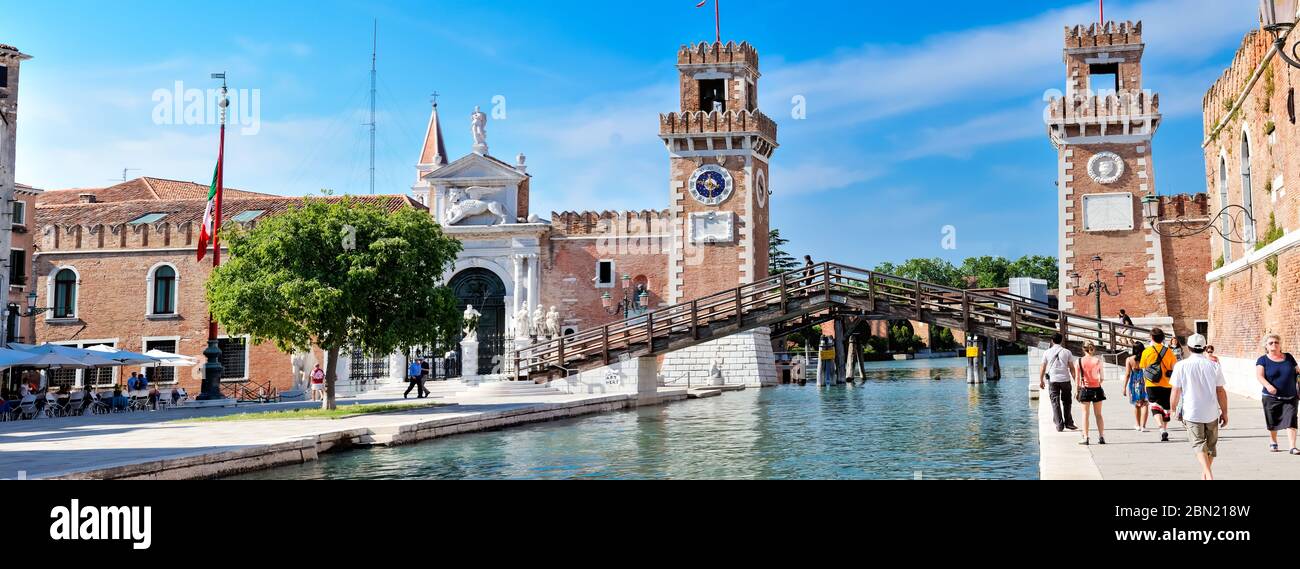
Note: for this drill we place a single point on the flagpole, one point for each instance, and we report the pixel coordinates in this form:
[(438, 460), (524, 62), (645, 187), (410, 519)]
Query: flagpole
[(213, 369), (717, 19)]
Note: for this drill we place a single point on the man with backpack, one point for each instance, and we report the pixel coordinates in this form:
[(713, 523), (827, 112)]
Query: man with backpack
[(1157, 367), (1058, 367)]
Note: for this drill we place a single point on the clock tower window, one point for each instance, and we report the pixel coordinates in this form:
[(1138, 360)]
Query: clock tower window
[(1103, 78), (711, 91)]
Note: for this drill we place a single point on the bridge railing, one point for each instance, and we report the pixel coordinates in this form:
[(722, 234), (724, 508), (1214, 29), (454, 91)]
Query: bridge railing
[(918, 300)]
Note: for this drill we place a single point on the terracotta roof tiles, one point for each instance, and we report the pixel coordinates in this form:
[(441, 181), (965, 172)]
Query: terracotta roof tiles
[(186, 210)]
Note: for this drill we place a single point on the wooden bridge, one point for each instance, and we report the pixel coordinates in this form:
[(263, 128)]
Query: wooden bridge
[(795, 300)]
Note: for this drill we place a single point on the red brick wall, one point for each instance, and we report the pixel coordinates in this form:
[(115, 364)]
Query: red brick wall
[(112, 301), (1240, 309), (569, 270)]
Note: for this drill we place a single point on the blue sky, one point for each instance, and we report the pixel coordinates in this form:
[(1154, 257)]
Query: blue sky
[(918, 118)]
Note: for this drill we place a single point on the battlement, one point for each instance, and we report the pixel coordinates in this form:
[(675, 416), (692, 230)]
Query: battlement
[(717, 53), (1109, 34), (1223, 95), (1122, 108), (1187, 206), (591, 223), (700, 122), (122, 236)]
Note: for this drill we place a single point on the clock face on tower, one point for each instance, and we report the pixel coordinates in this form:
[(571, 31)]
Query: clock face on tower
[(711, 184)]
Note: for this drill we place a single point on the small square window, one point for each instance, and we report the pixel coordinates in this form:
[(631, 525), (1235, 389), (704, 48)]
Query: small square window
[(605, 274), (4, 76), (248, 216), (148, 218)]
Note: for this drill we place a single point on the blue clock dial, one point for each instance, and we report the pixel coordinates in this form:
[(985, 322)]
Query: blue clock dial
[(711, 185)]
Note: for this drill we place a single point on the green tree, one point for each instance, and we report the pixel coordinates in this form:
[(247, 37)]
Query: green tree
[(337, 272), (987, 272), (1036, 267), (778, 260), (937, 271)]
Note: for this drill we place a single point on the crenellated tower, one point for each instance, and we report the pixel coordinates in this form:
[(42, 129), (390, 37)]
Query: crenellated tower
[(719, 151), (1102, 129), (719, 146)]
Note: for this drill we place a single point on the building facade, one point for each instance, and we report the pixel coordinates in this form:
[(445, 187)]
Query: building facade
[(1102, 128), (1252, 153), (593, 268), (117, 266)]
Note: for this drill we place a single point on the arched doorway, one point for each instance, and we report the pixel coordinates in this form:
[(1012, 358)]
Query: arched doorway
[(484, 290)]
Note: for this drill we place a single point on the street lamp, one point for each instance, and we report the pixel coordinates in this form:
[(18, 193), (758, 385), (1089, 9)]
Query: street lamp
[(32, 310), (1279, 17), (1233, 222), (1097, 287), (634, 303)]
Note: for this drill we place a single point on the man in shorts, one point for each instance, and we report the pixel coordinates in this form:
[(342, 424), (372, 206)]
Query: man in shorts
[(1159, 389), (1198, 385)]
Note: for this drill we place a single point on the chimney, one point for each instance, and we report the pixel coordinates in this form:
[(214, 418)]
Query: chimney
[(87, 198)]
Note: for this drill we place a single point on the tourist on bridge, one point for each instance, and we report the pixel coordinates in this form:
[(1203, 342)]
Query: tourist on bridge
[(1198, 385), (1157, 367), (1278, 371), (808, 271), (1136, 388), (1124, 318), (1058, 369), (1091, 394)]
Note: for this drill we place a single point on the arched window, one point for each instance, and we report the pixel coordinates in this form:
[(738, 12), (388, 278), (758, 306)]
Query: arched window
[(1223, 202), (65, 294), (164, 290), (1246, 190)]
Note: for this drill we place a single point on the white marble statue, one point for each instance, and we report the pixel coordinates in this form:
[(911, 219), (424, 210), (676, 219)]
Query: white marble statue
[(469, 202), (521, 322), (715, 373), (471, 324), (553, 323), (478, 128), (539, 322)]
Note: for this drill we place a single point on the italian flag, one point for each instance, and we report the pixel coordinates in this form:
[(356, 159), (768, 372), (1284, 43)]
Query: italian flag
[(209, 228)]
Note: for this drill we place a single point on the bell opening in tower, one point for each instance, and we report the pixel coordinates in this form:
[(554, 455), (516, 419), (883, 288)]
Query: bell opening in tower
[(1103, 78), (713, 95)]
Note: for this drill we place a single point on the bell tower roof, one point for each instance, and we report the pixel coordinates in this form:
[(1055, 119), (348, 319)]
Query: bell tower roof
[(434, 153)]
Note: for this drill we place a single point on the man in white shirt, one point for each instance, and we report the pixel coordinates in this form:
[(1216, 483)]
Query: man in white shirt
[(1198, 388), (1058, 366)]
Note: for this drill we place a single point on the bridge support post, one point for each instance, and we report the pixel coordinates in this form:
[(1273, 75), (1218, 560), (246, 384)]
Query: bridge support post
[(992, 367), (647, 380), (974, 360), (841, 353)]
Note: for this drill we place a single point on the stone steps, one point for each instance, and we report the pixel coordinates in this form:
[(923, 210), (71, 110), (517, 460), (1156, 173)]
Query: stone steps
[(497, 389)]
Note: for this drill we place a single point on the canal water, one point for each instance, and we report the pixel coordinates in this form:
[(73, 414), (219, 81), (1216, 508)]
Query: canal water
[(909, 419)]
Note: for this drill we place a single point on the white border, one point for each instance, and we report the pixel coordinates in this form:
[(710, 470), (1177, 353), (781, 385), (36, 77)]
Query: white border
[(613, 274), (76, 295)]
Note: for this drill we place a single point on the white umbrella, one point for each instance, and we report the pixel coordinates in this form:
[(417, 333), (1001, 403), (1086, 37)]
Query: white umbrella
[(167, 359), (123, 356), (52, 356)]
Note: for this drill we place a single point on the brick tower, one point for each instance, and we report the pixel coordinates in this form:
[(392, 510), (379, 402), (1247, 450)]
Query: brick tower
[(1102, 129), (719, 146), (10, 59)]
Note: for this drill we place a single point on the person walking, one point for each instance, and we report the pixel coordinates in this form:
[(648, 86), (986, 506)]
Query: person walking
[(1124, 318), (1278, 372), (1058, 367), (1157, 367), (1135, 389), (1209, 353), (1091, 394), (1202, 402), (317, 383), (413, 379), (1177, 346), (423, 377), (808, 271)]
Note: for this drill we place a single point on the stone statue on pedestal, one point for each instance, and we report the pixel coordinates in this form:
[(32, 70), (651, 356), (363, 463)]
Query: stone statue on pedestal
[(539, 322), (521, 322), (553, 323), (471, 324), (478, 128)]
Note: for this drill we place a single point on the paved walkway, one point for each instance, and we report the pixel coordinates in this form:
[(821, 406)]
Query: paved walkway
[(1130, 455), (155, 445)]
